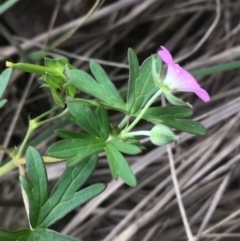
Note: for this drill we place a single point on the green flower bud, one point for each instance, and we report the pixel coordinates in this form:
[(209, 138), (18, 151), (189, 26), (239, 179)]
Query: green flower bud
[(162, 135)]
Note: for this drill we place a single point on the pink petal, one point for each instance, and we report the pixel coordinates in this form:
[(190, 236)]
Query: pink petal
[(165, 55), (178, 79)]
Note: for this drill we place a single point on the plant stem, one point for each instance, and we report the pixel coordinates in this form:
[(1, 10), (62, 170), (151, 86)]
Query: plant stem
[(138, 133), (24, 143), (53, 118), (143, 111), (33, 125), (178, 195), (123, 122), (46, 113), (7, 167)]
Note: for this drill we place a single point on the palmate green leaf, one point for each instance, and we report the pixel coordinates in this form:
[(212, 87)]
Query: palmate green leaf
[(101, 87), (44, 210), (119, 166), (39, 234), (65, 197), (76, 148), (96, 123), (141, 86)]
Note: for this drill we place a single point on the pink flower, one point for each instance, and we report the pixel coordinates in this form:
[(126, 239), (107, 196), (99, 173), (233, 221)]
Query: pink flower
[(178, 79)]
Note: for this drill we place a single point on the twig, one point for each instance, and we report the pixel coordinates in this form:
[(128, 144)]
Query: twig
[(178, 195)]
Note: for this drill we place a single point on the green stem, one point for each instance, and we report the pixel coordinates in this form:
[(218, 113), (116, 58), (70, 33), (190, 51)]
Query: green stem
[(143, 111), (123, 122), (33, 125), (53, 118), (7, 167), (46, 113), (138, 133), (24, 143)]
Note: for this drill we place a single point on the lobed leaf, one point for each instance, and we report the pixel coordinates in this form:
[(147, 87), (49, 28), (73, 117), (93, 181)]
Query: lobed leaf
[(96, 123), (141, 86), (101, 88), (45, 210), (76, 147), (119, 166), (65, 197)]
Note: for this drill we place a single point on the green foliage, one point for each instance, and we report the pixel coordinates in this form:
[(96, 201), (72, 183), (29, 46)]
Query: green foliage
[(39, 234), (172, 117), (141, 83), (118, 165), (44, 208), (100, 87), (76, 150), (94, 122), (4, 80), (53, 76)]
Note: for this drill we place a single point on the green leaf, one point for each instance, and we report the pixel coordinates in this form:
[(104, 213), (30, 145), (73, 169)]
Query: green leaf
[(101, 88), (125, 147), (141, 86), (65, 197), (83, 101), (174, 111), (2, 103), (14, 236), (171, 116), (189, 126), (175, 101), (66, 134), (39, 234), (119, 166), (103, 122), (76, 147), (44, 210), (97, 124), (37, 186), (4, 79), (133, 71)]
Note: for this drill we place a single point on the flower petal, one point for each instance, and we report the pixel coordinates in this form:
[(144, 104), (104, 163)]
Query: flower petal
[(179, 79), (165, 55)]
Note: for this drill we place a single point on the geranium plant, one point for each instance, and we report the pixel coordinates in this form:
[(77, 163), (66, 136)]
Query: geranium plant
[(96, 134)]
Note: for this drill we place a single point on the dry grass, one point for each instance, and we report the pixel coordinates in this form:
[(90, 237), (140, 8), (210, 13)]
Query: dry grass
[(199, 34)]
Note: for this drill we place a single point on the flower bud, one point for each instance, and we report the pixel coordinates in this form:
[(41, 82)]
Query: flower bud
[(162, 135)]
